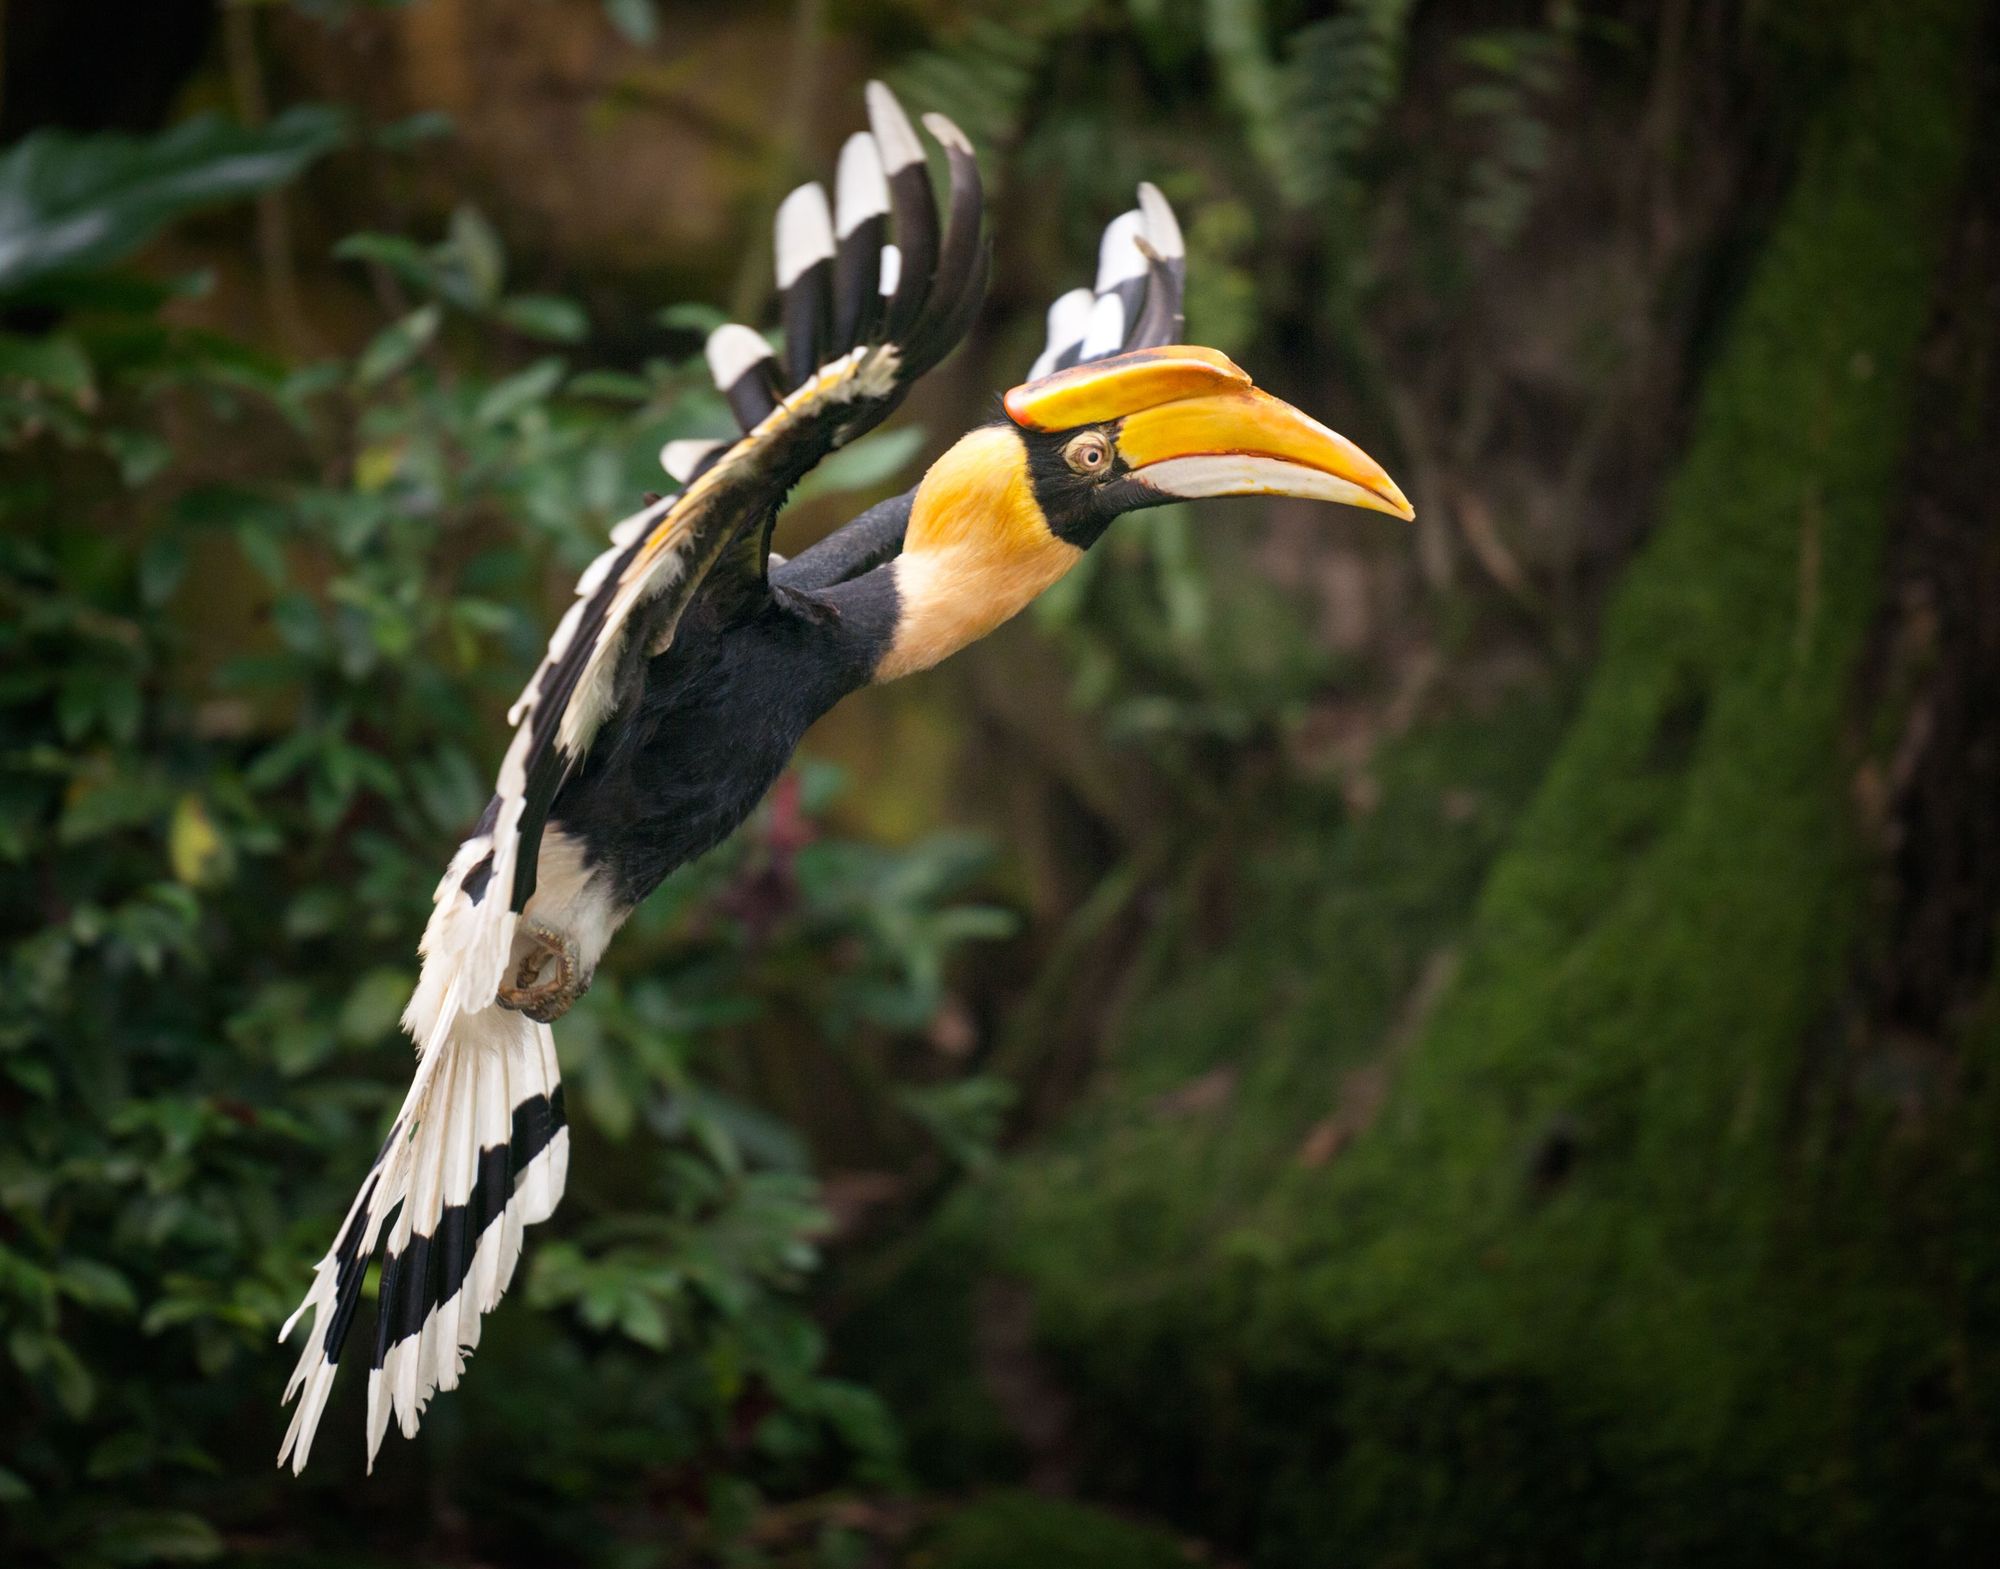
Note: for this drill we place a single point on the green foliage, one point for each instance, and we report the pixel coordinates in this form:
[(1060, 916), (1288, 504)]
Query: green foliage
[(1185, 656), (70, 202), (1341, 79), (258, 623), (1309, 114), (1516, 70)]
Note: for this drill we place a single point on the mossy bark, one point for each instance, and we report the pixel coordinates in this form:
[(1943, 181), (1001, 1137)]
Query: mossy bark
[(1592, 1256)]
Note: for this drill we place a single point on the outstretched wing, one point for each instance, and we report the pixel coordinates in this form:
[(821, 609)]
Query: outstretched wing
[(873, 294), (1141, 278)]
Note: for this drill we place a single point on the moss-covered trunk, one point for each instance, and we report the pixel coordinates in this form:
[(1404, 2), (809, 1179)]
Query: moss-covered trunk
[(1599, 1248)]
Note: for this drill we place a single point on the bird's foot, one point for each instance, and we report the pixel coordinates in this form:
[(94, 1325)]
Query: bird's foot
[(548, 973)]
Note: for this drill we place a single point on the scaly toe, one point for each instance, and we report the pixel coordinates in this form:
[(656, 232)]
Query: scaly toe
[(549, 977)]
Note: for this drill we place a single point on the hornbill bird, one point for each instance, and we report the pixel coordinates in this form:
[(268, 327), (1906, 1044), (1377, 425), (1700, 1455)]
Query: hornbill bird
[(693, 659)]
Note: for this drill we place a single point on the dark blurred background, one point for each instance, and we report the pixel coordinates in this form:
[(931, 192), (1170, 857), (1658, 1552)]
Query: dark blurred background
[(1328, 1043)]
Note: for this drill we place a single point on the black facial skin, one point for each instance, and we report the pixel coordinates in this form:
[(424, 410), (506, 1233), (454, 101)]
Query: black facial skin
[(1080, 506)]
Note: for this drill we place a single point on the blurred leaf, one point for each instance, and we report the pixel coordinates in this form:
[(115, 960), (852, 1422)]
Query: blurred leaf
[(870, 463), (195, 848), (103, 802), (162, 565), (396, 346), (142, 1536), (71, 201), (374, 1004), (610, 384), (95, 1285), (966, 1116), (56, 363), (377, 465), (46, 1357), (479, 252), (643, 1320), (120, 1455), (140, 455), (519, 392), (691, 316), (409, 261), (547, 316), (638, 20), (427, 125)]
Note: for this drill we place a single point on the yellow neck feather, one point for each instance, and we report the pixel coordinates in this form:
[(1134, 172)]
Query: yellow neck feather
[(977, 551)]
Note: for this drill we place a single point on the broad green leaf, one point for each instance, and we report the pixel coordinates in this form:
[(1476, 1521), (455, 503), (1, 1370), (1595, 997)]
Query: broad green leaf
[(374, 1004), (643, 1320), (69, 201), (479, 253), (691, 316), (519, 392), (408, 260), (547, 316), (398, 344), (95, 1285), (610, 384)]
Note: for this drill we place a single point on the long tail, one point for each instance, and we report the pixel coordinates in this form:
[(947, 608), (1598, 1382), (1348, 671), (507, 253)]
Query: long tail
[(479, 1151)]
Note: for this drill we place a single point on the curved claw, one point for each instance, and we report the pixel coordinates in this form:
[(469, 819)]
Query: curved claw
[(549, 976)]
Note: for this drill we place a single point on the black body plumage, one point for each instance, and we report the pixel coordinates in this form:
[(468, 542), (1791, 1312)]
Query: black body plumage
[(718, 718)]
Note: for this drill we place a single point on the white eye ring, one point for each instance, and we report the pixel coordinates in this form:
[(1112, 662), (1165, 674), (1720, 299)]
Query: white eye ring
[(1089, 453)]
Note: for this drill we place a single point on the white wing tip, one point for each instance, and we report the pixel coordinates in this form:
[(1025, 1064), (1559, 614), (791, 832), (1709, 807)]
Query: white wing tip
[(804, 232), (861, 190), (732, 350), (1069, 320), (1118, 254), (1107, 326), (682, 456), (1163, 229), (948, 134), (894, 134)]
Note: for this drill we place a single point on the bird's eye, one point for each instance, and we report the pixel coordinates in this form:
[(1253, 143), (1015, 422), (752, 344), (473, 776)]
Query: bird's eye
[(1089, 453)]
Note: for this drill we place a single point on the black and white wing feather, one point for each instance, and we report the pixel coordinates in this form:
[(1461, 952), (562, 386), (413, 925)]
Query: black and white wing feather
[(480, 1150)]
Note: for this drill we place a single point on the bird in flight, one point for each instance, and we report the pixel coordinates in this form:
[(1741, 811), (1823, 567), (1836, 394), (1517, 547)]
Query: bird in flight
[(693, 659)]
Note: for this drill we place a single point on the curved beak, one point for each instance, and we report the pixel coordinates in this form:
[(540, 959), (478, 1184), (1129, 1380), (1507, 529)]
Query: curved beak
[(1243, 442), (1189, 423)]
